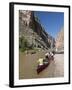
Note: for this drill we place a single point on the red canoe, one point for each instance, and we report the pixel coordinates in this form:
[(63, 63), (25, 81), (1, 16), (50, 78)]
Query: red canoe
[(45, 65)]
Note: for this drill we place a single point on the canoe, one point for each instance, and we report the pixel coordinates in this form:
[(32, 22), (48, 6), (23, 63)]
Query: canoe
[(41, 67)]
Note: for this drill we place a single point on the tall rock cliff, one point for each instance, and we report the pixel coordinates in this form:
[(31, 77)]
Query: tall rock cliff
[(60, 40), (32, 30)]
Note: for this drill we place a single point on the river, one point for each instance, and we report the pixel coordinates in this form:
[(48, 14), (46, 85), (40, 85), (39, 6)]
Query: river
[(28, 66)]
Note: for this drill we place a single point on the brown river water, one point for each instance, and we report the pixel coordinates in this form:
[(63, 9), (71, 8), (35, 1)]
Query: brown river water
[(28, 66)]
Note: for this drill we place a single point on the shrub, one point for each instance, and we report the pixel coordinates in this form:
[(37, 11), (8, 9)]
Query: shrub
[(23, 43)]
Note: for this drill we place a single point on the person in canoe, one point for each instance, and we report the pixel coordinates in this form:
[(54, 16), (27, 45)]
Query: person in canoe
[(42, 61), (42, 64), (51, 56)]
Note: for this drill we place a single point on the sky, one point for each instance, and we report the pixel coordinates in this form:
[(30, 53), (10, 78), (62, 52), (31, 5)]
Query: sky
[(51, 21)]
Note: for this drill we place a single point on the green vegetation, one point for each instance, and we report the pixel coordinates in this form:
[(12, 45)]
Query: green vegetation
[(25, 46), (23, 43), (49, 45)]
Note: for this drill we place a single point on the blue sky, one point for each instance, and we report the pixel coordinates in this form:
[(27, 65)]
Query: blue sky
[(51, 21)]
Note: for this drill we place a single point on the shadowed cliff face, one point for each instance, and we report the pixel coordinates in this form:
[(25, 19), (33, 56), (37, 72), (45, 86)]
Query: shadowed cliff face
[(60, 39), (33, 31)]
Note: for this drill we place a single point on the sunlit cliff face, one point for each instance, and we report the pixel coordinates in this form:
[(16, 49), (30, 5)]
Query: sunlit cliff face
[(60, 39), (26, 16)]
